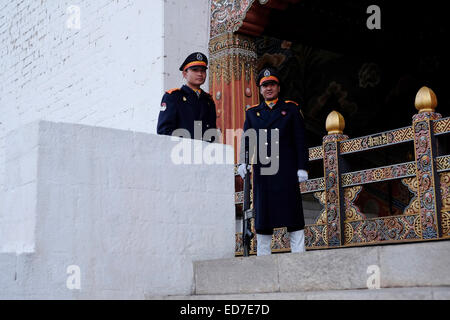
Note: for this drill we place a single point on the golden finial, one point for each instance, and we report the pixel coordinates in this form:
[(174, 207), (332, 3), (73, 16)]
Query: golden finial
[(425, 100), (335, 123)]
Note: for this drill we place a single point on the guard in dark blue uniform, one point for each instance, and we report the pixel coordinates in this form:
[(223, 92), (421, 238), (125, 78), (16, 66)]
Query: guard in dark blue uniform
[(189, 107), (277, 199)]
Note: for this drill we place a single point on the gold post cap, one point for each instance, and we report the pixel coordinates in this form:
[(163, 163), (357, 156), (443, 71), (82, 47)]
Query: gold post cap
[(426, 100), (335, 123)]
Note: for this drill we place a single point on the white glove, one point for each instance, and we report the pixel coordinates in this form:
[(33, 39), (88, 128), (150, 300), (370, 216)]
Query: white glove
[(242, 170), (302, 175)]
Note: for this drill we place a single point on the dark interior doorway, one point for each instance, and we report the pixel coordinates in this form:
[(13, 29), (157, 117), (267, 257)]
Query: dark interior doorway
[(330, 60)]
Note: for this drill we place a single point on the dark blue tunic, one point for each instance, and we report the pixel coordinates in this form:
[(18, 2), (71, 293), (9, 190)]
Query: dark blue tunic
[(181, 107), (277, 198)]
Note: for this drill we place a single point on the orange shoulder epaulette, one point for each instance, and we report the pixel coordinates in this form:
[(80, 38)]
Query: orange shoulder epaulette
[(290, 101), (251, 107), (172, 90), (301, 112)]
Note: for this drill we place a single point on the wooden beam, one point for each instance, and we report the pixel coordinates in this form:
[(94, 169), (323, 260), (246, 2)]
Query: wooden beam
[(250, 27), (257, 17), (276, 4)]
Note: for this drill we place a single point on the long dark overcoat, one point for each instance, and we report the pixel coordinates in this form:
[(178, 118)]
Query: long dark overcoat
[(277, 198)]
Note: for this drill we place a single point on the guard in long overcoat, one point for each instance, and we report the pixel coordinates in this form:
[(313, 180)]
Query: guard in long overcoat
[(185, 107), (276, 197)]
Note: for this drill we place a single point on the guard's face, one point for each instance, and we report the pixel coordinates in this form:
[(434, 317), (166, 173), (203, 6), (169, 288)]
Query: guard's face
[(195, 76), (270, 90)]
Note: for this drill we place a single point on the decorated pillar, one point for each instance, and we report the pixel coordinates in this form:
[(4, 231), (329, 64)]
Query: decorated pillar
[(425, 155), (232, 81), (332, 165)]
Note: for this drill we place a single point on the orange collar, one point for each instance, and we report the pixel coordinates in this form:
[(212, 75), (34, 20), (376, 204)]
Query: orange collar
[(271, 103)]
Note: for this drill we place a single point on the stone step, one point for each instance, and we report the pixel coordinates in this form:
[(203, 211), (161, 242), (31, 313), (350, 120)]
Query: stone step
[(411, 293), (403, 265)]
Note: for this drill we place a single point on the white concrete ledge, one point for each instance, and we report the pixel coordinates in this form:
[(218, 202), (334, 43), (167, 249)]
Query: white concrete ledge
[(112, 203)]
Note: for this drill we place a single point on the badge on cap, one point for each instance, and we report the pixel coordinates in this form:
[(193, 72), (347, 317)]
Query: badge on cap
[(184, 99), (267, 73), (199, 57), (258, 114), (163, 106), (283, 113)]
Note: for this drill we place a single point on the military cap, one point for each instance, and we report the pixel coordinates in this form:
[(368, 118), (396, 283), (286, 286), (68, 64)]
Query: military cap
[(194, 60), (267, 74)]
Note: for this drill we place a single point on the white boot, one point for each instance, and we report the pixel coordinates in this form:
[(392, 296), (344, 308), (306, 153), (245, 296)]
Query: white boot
[(297, 241), (263, 244)]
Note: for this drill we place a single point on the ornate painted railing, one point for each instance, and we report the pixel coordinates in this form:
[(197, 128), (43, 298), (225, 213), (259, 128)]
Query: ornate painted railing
[(341, 223)]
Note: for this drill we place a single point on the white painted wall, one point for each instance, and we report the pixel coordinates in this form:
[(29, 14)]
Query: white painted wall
[(113, 203), (186, 30), (111, 72)]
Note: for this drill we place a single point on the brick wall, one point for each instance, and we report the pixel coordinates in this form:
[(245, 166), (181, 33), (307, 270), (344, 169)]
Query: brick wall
[(109, 71)]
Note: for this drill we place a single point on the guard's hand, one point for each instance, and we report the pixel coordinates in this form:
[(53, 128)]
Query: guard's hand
[(242, 170), (302, 175)]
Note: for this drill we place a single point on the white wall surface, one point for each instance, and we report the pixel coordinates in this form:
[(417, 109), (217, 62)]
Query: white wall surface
[(186, 30), (113, 203)]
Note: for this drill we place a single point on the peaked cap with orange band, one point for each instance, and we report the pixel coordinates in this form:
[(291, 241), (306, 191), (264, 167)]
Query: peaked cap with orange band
[(267, 74), (196, 59)]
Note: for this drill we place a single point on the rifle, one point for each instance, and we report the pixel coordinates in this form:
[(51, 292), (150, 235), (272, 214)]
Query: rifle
[(247, 234)]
